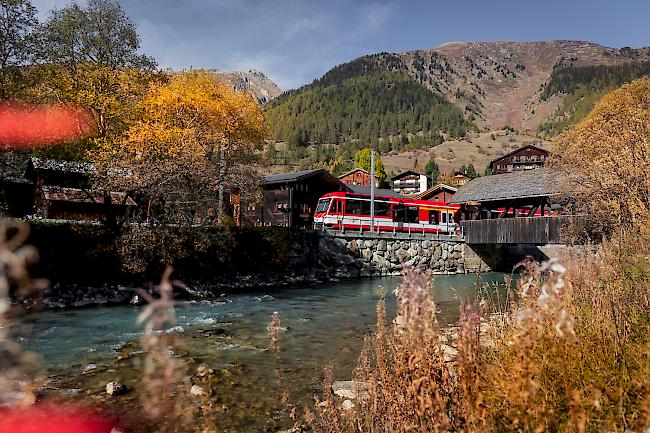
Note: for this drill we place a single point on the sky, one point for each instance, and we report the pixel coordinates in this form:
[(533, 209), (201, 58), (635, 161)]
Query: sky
[(296, 41)]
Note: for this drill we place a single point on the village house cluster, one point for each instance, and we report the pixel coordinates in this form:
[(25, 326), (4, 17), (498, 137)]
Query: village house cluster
[(61, 190)]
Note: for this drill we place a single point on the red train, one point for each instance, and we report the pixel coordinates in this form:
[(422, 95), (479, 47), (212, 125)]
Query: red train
[(345, 210)]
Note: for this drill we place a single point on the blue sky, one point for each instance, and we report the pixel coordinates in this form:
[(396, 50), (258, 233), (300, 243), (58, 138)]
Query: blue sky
[(294, 41)]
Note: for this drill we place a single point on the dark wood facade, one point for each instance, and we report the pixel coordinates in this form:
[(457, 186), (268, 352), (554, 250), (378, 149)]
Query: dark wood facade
[(538, 231), (504, 208), (438, 193), (528, 157), (290, 199), (61, 190), (358, 176)]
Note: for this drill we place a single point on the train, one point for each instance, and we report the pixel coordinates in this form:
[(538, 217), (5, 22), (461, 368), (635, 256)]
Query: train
[(351, 211)]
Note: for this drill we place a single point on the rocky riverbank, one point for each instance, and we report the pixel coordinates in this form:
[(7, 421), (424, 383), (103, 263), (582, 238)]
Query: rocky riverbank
[(306, 257)]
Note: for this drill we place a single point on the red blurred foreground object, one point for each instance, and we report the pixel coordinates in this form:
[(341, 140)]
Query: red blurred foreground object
[(53, 419), (24, 126)]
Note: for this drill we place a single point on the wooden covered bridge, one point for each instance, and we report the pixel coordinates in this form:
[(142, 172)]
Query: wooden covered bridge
[(512, 208)]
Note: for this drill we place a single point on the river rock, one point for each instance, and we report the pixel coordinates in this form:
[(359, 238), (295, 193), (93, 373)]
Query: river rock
[(347, 405), (449, 353), (115, 388), (348, 388), (197, 391), (136, 300), (381, 245), (204, 370)]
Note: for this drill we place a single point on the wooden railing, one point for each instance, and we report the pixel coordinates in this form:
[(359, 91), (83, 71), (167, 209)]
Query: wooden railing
[(534, 230)]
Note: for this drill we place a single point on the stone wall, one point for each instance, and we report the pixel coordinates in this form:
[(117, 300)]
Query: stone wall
[(366, 256)]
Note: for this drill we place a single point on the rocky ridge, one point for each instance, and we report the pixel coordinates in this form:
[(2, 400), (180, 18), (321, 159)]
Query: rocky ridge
[(258, 85), (496, 83)]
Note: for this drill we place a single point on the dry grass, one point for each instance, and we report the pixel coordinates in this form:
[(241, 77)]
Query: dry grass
[(570, 353), (17, 289)]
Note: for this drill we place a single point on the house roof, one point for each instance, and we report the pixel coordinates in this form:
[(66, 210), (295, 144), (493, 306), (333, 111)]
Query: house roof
[(531, 146), (296, 176), (57, 193), (509, 186), (436, 188), (360, 189), (405, 173), (61, 165), (347, 173)]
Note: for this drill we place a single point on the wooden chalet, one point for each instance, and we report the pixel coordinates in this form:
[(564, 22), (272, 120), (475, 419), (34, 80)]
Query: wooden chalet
[(358, 176), (456, 180), (82, 205), (61, 190), (510, 207), (409, 182), (440, 193), (527, 157), (290, 199)]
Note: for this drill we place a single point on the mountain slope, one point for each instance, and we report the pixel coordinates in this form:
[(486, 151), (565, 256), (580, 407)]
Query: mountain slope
[(493, 84), (363, 101), (502, 82), (262, 88)]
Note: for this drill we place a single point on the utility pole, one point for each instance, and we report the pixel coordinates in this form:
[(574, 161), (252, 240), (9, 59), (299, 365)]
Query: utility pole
[(222, 175), (372, 190)]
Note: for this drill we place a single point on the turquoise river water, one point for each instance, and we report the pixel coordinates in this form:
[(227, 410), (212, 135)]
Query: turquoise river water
[(325, 323)]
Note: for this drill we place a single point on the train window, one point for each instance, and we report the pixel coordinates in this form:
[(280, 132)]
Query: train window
[(323, 205), (365, 207), (382, 208), (444, 217), (353, 207), (335, 209), (434, 217), (412, 214)]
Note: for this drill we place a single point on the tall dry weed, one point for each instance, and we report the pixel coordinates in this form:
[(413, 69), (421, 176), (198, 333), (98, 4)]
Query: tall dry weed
[(569, 351), (17, 288)]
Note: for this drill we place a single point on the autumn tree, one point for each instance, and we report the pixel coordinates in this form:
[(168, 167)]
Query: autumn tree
[(606, 158), (197, 137), (17, 47), (90, 59), (362, 160)]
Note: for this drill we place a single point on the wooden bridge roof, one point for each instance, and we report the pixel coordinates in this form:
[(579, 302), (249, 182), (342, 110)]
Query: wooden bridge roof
[(510, 186)]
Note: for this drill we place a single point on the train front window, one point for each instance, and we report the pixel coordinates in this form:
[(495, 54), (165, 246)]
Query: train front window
[(323, 204)]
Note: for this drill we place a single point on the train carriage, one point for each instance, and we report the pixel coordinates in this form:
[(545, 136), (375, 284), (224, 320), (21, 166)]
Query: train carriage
[(351, 211)]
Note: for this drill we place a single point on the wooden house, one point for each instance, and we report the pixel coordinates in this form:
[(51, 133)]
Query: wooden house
[(527, 157), (290, 199), (358, 176), (409, 183), (61, 190), (439, 193), (456, 180)]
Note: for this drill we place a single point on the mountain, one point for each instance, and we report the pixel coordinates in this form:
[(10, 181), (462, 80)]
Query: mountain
[(504, 83), (523, 85), (361, 102), (262, 88)]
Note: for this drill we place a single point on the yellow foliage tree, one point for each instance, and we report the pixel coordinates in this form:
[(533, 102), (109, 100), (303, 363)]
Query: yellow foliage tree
[(607, 158), (197, 137)]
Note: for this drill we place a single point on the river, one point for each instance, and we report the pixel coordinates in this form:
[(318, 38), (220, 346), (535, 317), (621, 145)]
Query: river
[(325, 323)]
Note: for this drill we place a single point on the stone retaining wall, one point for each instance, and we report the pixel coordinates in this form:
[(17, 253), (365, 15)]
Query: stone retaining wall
[(380, 256)]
